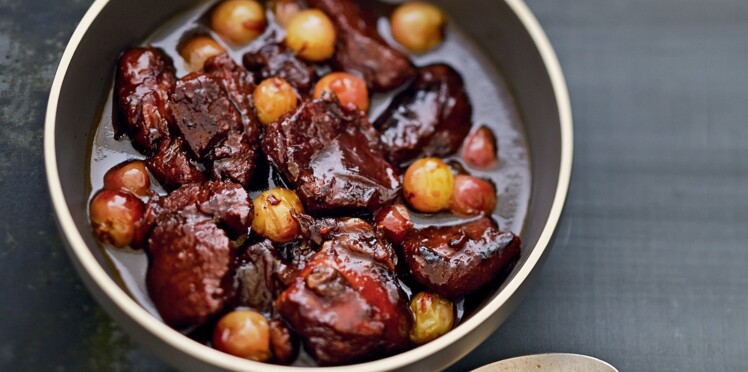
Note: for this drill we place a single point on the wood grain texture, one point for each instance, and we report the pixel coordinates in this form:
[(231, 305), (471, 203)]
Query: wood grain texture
[(649, 270)]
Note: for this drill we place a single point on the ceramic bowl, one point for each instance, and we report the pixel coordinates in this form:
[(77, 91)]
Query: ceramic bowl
[(508, 34)]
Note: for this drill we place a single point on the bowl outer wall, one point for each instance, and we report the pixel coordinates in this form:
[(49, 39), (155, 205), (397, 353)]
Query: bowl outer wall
[(184, 353)]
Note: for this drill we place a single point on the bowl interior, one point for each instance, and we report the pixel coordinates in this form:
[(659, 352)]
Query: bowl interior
[(493, 25)]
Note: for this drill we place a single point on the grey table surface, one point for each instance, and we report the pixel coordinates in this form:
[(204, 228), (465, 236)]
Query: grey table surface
[(649, 271)]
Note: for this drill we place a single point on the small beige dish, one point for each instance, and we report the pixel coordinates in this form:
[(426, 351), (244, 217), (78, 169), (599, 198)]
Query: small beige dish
[(556, 362)]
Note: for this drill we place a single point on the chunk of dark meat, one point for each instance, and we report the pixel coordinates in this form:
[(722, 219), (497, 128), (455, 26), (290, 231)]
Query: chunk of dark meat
[(261, 275), (275, 60), (346, 304), (172, 167), (203, 112), (316, 230), (229, 205), (332, 157), (235, 157), (189, 269), (297, 253), (430, 117), (360, 50), (313, 232), (239, 85), (267, 268), (145, 79), (225, 203), (456, 260)]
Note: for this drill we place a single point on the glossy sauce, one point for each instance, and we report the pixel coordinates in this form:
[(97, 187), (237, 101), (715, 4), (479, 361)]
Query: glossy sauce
[(492, 103)]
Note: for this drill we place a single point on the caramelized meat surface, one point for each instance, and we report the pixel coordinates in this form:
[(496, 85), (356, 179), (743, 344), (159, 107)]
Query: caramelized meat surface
[(297, 253), (361, 50), (229, 205), (457, 260), (172, 167), (235, 157), (266, 268), (238, 84), (346, 304), (226, 204), (188, 234), (332, 157), (275, 60), (430, 117), (261, 275), (144, 81), (189, 269), (203, 113)]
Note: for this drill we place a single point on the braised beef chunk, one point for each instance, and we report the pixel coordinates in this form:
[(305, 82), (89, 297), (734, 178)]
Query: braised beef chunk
[(189, 269), (331, 156), (144, 81), (161, 207), (233, 159), (239, 85), (172, 167), (346, 304), (261, 275), (229, 205), (275, 60), (362, 238), (316, 230), (203, 112), (430, 117), (297, 253), (360, 50), (189, 250), (226, 204), (457, 260)]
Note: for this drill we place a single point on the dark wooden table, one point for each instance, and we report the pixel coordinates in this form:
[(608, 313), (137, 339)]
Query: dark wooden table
[(650, 268)]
